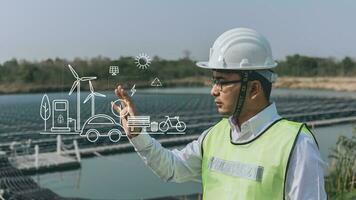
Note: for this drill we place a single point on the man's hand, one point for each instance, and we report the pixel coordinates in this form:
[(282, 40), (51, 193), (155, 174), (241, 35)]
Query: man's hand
[(128, 110)]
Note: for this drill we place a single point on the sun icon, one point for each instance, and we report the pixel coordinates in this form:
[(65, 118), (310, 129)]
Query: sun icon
[(143, 61)]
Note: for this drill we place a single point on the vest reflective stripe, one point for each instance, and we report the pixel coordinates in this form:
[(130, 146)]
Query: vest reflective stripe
[(254, 170)]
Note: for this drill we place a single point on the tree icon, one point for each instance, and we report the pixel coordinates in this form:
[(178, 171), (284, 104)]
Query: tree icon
[(45, 110)]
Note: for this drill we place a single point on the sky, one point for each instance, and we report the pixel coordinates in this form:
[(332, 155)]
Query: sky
[(41, 29)]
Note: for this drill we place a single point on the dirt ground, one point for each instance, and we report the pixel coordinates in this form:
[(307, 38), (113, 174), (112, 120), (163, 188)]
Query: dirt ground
[(331, 83)]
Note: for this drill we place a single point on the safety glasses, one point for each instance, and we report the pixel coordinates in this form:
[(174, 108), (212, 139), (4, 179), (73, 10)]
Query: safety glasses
[(221, 83)]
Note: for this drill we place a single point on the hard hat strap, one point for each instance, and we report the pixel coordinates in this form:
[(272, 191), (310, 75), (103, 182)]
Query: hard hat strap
[(242, 95)]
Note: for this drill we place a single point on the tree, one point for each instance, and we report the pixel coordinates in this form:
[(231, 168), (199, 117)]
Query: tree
[(347, 65), (45, 110)]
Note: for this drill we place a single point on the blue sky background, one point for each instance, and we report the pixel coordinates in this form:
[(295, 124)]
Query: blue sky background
[(40, 29)]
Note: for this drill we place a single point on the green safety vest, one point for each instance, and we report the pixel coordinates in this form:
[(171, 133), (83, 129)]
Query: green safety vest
[(253, 170)]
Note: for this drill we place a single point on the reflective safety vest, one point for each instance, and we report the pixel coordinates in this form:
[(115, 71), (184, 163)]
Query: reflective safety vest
[(253, 170)]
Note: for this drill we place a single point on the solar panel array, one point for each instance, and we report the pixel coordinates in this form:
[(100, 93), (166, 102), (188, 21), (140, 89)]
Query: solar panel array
[(20, 119), (16, 186)]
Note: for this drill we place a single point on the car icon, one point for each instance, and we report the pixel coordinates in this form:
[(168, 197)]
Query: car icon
[(102, 125)]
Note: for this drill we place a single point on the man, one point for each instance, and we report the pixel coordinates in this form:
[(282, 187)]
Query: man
[(252, 153)]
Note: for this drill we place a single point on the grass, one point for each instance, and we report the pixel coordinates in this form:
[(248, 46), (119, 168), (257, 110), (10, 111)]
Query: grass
[(341, 180)]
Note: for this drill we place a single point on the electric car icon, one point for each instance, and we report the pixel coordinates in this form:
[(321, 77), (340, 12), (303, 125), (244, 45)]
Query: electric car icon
[(102, 125)]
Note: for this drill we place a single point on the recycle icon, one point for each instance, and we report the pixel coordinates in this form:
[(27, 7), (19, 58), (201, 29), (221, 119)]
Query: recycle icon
[(156, 83)]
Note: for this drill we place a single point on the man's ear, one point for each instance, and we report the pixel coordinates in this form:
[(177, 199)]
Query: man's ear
[(255, 89)]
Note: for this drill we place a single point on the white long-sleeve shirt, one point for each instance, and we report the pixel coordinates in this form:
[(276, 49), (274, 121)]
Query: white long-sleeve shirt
[(305, 176)]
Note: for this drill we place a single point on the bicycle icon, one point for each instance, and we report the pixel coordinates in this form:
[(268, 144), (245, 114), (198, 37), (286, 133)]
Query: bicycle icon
[(178, 125)]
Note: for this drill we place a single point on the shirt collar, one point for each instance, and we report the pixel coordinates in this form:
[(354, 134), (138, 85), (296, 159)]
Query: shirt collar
[(253, 127)]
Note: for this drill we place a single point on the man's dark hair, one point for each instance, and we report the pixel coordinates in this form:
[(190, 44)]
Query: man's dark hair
[(266, 85)]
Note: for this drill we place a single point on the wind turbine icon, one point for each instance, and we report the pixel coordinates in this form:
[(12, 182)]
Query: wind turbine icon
[(76, 85), (92, 96)]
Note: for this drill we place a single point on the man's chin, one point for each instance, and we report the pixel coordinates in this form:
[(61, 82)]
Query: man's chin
[(224, 113)]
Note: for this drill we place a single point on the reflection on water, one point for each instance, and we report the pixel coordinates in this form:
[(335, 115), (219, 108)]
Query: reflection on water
[(122, 176)]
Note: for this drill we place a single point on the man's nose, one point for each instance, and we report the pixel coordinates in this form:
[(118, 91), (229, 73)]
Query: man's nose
[(214, 91)]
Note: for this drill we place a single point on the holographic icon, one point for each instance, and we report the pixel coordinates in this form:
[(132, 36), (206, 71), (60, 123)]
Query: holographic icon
[(156, 83), (76, 85), (133, 90), (138, 122), (45, 110), (101, 125), (180, 126), (60, 115), (121, 105), (113, 70), (92, 96), (143, 61), (154, 126)]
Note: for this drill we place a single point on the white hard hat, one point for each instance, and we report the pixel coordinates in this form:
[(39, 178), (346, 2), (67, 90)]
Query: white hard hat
[(240, 49)]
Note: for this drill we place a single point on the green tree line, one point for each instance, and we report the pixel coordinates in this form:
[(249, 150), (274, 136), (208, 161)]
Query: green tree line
[(305, 66), (54, 72)]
